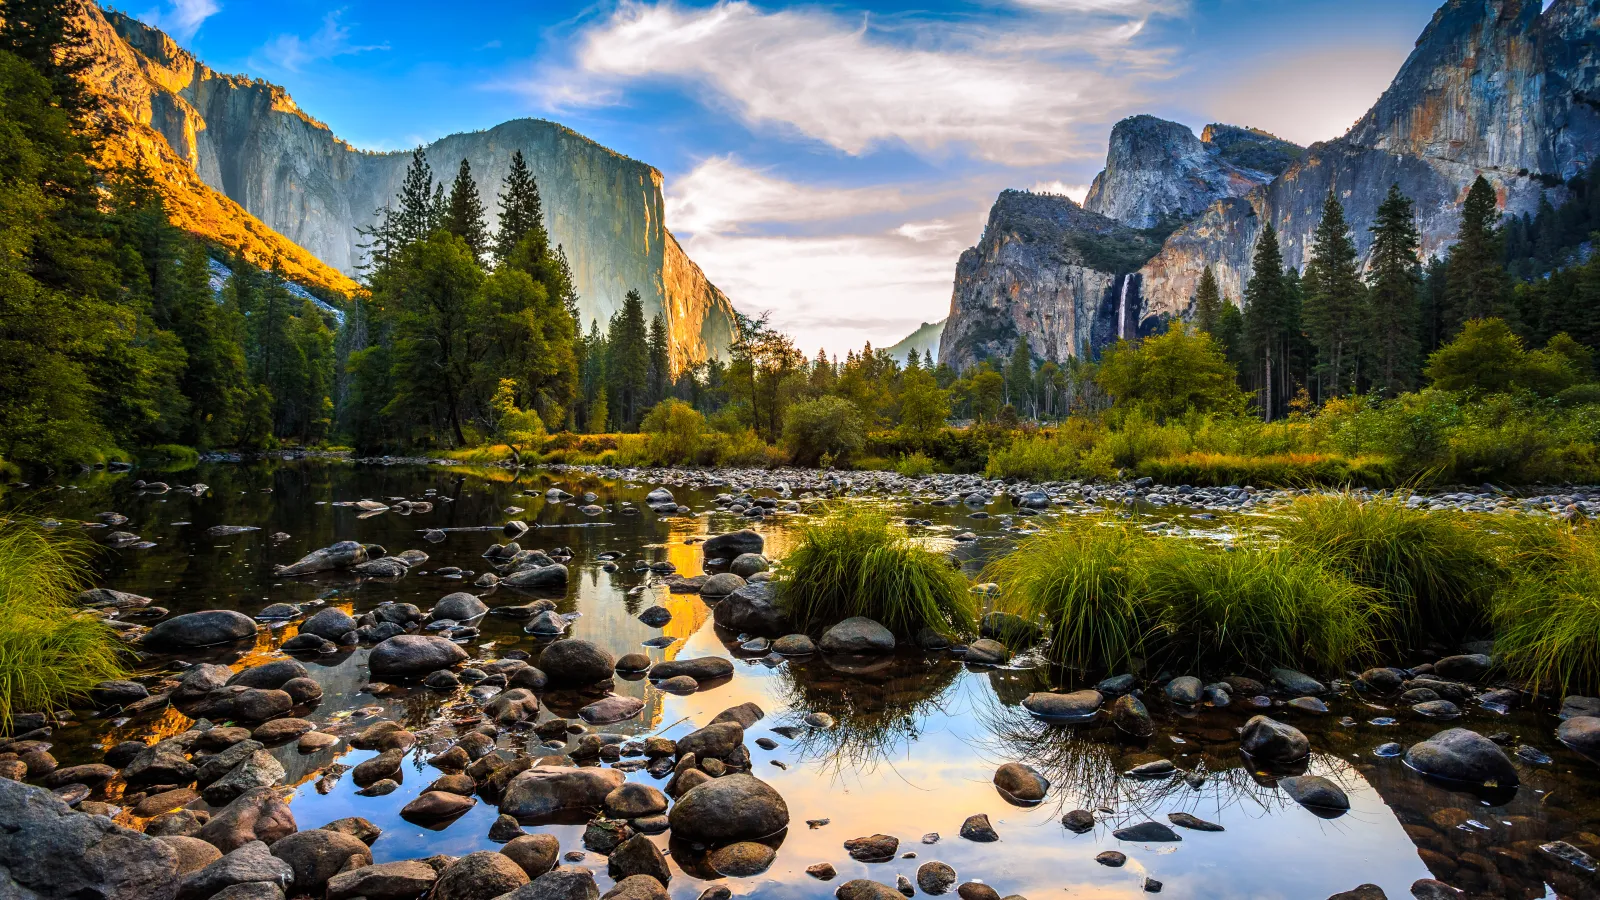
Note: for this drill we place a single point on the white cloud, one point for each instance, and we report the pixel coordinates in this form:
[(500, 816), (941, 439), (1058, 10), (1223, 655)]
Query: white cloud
[(722, 196), (1012, 90), (181, 19), (291, 52), (1076, 191)]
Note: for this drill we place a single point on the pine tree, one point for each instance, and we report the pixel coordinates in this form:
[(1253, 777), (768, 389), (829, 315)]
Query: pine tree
[(927, 359), (463, 213), (414, 220), (1269, 322), (1395, 276), (1207, 302), (660, 360), (521, 212), (46, 35), (628, 363), (1476, 284), (1334, 301), (1019, 376)]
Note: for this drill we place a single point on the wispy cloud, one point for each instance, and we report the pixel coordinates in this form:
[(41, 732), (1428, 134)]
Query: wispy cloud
[(1014, 90), (181, 19), (721, 196), (291, 52), (1076, 191)]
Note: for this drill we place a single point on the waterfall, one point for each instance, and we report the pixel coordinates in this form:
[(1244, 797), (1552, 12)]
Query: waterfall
[(1122, 309)]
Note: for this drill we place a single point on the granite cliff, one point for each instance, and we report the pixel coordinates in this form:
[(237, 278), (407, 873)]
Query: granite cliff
[(1501, 88), (250, 144)]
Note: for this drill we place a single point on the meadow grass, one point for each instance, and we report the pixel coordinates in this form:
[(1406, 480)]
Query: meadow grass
[(1547, 615), (851, 562), (50, 651), (1439, 570)]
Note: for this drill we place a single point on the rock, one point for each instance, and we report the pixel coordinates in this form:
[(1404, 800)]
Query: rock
[(1184, 690), (1309, 705), (48, 851), (935, 877), (1185, 820), (1129, 715), (436, 806), (92, 775), (155, 804), (656, 616), (458, 607), (733, 545), (1437, 709), (547, 623), (977, 890), (747, 564), (977, 828), (822, 871), (335, 556), (752, 609), (741, 860), (180, 822), (746, 714), (794, 645), (317, 855), (543, 791), (279, 731), (482, 875), (1146, 833), (1296, 683), (534, 853), (413, 656), (642, 887), (717, 741), (1270, 741), (330, 624), (404, 880), (105, 598), (1079, 821), (1064, 707), (309, 643), (384, 765), (246, 864), (638, 855), (384, 567), (875, 848), (720, 585), (1160, 768), (732, 808), (1315, 793), (551, 576), (987, 652), (611, 709), (1581, 733), (863, 889), (193, 853), (250, 890), (1574, 705), (356, 827), (1429, 889), (576, 663), (858, 634), (200, 629), (1020, 782), (1361, 892), (258, 814), (1469, 667), (260, 770), (704, 668), (1462, 755), (512, 707), (117, 693), (1384, 680), (271, 675), (1111, 858), (679, 684), (634, 800)]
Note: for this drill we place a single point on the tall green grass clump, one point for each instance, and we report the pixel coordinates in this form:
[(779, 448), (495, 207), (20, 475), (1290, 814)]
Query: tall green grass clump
[(50, 651), (852, 563), (1079, 578), (1438, 569), (1547, 617)]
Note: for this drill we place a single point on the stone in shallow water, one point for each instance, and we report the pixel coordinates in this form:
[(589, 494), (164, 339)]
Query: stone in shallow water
[(1185, 820), (1079, 821), (1065, 707), (1316, 793), (977, 828), (1147, 832), (1111, 858)]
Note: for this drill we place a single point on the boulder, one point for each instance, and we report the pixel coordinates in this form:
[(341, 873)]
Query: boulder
[(638, 855), (1297, 684), (330, 624), (987, 652), (458, 607), (259, 770), (270, 675), (544, 791), (535, 853), (342, 555), (561, 883), (734, 807), (747, 564), (1581, 733), (703, 668), (50, 852), (247, 864), (436, 806), (1459, 754), (258, 814), (1129, 715), (865, 889), (193, 853), (1466, 667), (404, 880), (576, 663), (413, 656), (1021, 782), (858, 634), (1315, 793), (717, 741), (318, 855), (752, 609), (482, 875), (1064, 707), (551, 576), (107, 694), (1184, 690), (794, 645), (200, 629), (935, 877), (720, 585), (512, 706), (634, 800), (611, 709), (1146, 833), (640, 887), (733, 545), (1270, 741)]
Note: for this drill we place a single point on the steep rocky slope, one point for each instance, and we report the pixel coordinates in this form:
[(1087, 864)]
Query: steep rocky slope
[(247, 140), (1158, 171)]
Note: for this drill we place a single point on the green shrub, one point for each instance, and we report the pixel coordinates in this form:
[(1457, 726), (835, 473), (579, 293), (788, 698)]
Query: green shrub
[(852, 563), (50, 651), (676, 434), (1547, 620), (1438, 569), (828, 426)]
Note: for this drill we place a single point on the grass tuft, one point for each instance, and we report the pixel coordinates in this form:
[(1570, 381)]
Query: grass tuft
[(50, 651), (1547, 618), (852, 563)]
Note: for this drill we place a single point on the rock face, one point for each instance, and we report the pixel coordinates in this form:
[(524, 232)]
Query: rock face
[(49, 851), (249, 143), (1159, 172), (1498, 88)]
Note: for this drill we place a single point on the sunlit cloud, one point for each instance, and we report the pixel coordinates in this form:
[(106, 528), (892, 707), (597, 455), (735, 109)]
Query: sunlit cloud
[(291, 52), (722, 196), (181, 19), (1013, 91)]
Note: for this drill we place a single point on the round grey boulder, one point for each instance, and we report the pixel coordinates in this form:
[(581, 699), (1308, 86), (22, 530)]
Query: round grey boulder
[(200, 629), (329, 624), (1064, 707), (731, 808), (1459, 754), (318, 855), (576, 663), (720, 585), (733, 544), (747, 564), (413, 656), (458, 607), (858, 634), (1021, 783), (1270, 741)]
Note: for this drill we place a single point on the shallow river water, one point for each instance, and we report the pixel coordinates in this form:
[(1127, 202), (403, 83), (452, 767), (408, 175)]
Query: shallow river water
[(916, 741)]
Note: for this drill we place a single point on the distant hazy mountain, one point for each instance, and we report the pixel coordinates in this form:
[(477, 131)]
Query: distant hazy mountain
[(925, 338)]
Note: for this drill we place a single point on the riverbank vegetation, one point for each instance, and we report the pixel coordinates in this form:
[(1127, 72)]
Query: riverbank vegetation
[(51, 651)]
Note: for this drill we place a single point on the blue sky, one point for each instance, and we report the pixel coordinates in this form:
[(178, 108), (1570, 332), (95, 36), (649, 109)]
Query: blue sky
[(826, 162)]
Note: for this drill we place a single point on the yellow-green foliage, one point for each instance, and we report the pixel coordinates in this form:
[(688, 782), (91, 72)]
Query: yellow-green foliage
[(853, 563), (1547, 618), (50, 651)]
